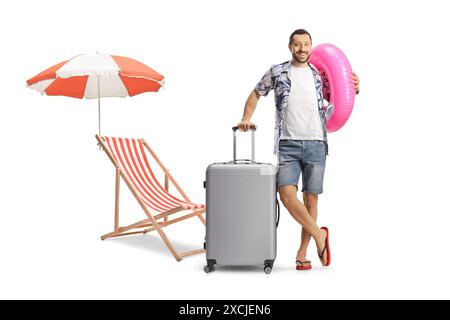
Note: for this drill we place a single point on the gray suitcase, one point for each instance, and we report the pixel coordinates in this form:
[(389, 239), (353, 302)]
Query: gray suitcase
[(241, 212)]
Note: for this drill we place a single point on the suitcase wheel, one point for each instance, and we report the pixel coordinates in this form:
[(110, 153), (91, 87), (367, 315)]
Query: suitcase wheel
[(267, 269), (268, 265), (210, 267)]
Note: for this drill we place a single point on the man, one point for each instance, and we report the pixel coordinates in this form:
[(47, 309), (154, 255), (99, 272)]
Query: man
[(300, 139)]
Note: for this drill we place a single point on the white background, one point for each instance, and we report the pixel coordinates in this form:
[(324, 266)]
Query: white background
[(386, 185)]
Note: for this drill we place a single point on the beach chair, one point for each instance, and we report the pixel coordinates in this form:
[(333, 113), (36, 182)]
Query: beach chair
[(130, 158)]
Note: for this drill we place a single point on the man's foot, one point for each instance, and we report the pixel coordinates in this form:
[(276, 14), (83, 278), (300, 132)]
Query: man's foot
[(303, 264), (323, 248)]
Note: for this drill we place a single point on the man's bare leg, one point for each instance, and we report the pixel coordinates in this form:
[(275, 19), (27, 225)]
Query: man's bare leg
[(310, 200), (288, 195)]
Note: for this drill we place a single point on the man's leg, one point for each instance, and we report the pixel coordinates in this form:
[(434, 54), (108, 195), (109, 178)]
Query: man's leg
[(313, 168), (288, 195), (310, 200)]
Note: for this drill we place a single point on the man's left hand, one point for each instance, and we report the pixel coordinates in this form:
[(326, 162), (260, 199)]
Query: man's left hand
[(355, 80)]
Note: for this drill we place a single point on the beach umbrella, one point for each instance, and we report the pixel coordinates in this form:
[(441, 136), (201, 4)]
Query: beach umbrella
[(95, 76)]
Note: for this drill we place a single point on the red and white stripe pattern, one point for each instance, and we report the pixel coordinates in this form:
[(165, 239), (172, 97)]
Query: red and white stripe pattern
[(96, 76), (131, 157)]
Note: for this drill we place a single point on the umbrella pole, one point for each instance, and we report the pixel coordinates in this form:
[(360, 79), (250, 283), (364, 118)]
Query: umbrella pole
[(98, 99), (99, 114), (99, 117), (99, 132)]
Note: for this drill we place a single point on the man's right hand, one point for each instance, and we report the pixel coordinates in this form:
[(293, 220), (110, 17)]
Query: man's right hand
[(246, 125)]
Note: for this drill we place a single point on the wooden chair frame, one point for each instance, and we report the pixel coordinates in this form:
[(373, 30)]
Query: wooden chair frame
[(151, 223)]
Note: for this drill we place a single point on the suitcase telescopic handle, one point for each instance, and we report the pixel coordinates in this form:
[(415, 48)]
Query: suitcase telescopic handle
[(252, 129)]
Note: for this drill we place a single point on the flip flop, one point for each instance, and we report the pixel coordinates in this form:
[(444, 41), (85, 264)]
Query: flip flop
[(327, 248), (305, 265)]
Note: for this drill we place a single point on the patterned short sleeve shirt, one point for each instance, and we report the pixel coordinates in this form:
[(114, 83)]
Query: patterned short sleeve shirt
[(277, 79)]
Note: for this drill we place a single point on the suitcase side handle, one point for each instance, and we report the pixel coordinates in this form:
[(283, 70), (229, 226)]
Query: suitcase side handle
[(252, 129), (244, 161), (278, 214)]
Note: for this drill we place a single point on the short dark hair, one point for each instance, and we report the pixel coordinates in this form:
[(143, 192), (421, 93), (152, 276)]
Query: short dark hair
[(298, 31)]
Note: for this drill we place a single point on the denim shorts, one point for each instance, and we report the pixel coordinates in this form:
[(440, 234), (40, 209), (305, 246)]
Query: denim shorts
[(306, 157)]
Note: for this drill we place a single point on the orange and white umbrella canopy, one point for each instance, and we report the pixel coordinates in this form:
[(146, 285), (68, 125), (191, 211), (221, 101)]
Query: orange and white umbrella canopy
[(95, 76)]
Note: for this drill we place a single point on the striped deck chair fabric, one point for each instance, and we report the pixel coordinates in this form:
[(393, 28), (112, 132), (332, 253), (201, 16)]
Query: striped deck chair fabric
[(132, 159), (132, 162)]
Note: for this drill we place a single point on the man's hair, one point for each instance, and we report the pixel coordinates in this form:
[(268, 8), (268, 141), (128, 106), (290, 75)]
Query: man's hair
[(299, 31)]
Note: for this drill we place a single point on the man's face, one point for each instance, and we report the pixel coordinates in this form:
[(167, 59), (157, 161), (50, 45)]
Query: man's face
[(301, 48)]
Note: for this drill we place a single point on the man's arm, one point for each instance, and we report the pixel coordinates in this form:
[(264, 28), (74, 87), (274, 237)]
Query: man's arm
[(250, 107), (262, 89)]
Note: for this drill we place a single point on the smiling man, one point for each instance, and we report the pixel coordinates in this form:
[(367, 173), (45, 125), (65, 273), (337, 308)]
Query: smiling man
[(300, 139)]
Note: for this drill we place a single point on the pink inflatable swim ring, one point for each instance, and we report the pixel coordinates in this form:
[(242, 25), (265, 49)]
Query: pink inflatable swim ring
[(338, 87)]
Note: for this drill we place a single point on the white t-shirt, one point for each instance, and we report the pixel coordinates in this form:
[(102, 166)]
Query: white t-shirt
[(302, 119)]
